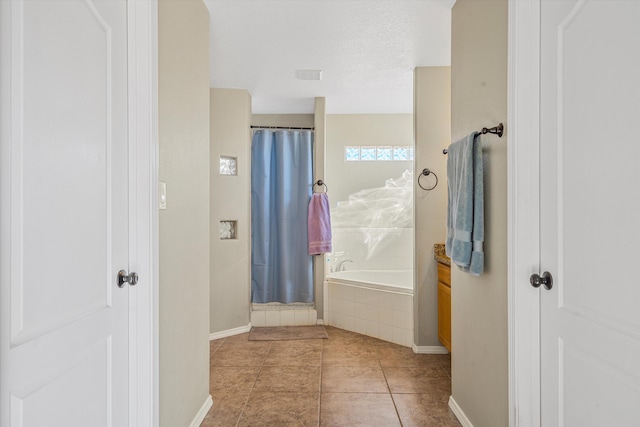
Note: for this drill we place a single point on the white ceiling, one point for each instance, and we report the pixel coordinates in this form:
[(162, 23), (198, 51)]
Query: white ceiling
[(367, 50)]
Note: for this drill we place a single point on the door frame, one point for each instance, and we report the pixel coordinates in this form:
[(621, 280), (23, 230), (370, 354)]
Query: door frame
[(144, 248), (523, 212)]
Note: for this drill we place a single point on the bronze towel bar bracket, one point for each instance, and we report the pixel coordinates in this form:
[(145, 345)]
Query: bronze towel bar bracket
[(496, 130)]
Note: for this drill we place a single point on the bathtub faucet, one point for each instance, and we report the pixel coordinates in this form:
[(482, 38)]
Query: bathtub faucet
[(341, 263)]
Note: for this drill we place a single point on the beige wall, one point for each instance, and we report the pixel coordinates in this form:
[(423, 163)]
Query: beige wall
[(230, 200), (319, 171), (432, 108), (479, 304), (344, 178), (183, 74), (293, 120)]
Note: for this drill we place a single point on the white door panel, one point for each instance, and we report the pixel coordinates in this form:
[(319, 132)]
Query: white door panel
[(66, 361), (84, 376), (63, 158), (590, 157)]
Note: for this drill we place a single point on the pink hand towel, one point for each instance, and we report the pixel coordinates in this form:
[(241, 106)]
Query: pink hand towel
[(319, 224)]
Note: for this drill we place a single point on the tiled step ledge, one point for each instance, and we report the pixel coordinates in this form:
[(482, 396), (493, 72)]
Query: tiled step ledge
[(289, 316)]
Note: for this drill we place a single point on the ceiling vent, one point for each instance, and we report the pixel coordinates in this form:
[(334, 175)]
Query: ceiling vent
[(309, 74)]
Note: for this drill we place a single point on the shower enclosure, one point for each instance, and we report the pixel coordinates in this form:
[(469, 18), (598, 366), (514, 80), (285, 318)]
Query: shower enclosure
[(282, 291), (281, 177)]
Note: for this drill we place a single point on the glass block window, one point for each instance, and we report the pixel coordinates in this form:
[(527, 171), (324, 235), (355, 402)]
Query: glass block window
[(383, 153), (368, 154), (352, 154), (400, 153), (228, 165), (228, 230)]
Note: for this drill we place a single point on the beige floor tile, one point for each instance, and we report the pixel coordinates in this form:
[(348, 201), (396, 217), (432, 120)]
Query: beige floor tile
[(314, 343), (293, 379), (353, 379), (422, 410), (339, 336), (237, 344), (333, 332), (432, 380), (357, 409), (404, 357), (215, 344), (239, 356), (234, 379), (226, 409), (295, 353), (276, 383), (349, 355), (238, 338), (445, 363), (280, 409), (238, 341)]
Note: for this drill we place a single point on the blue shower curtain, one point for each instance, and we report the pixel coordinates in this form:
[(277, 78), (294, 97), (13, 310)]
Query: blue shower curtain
[(281, 186)]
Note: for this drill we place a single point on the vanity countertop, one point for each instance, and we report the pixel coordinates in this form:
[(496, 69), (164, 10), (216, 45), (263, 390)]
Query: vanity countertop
[(440, 255)]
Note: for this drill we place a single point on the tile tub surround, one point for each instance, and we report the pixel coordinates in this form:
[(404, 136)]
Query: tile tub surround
[(346, 380), (372, 248), (377, 313)]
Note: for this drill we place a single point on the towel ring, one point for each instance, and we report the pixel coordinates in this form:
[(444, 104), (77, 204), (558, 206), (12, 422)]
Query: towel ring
[(427, 172), (320, 182)]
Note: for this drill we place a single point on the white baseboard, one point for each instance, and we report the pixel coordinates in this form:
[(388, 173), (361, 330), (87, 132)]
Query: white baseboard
[(319, 322), (429, 349), (229, 332), (453, 405), (208, 403)]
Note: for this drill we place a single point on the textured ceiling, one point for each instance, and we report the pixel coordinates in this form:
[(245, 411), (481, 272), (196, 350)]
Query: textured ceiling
[(367, 50)]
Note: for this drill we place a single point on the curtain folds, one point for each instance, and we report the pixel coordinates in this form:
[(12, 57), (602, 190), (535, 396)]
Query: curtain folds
[(281, 186)]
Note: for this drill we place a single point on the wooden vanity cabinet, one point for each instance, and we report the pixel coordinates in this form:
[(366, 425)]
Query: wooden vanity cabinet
[(444, 305)]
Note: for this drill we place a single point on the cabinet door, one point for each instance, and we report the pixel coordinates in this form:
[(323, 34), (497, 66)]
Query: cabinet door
[(444, 315), (444, 274)]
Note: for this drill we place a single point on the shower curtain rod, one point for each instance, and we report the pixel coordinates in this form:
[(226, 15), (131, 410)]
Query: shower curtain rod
[(281, 127)]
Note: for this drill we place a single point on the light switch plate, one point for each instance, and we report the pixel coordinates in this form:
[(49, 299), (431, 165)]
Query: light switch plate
[(162, 197)]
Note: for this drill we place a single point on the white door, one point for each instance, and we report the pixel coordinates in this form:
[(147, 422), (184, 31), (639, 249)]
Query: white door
[(64, 212), (590, 212)]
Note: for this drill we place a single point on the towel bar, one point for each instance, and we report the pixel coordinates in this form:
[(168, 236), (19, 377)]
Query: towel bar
[(496, 130)]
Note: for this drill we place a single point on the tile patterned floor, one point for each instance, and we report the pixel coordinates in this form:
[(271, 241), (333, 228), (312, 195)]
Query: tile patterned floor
[(346, 380)]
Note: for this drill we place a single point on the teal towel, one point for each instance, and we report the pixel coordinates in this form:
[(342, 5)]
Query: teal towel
[(465, 210)]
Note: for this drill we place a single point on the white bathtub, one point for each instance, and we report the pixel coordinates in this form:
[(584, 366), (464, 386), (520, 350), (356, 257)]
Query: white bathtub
[(378, 303), (389, 280)]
